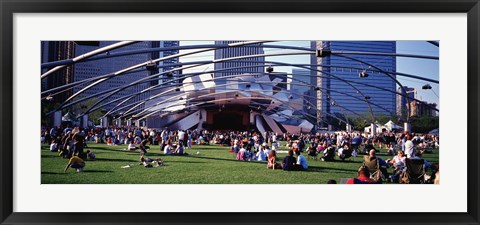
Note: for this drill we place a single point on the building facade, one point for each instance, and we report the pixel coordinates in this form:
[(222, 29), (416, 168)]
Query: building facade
[(54, 51), (168, 64), (402, 100), (89, 69), (422, 109), (336, 97), (301, 85), (256, 67)]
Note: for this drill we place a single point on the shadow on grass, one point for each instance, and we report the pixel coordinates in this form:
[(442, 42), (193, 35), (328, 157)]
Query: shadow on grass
[(52, 173), (349, 160), (105, 149), (323, 169), (224, 159), (170, 161), (51, 156), (114, 160), (97, 171), (85, 171)]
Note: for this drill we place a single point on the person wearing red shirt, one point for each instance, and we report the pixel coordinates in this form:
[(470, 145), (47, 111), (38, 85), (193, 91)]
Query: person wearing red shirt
[(363, 177)]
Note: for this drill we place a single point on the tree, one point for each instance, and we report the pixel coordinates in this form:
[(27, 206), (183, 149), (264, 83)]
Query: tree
[(47, 106), (82, 107), (424, 124)]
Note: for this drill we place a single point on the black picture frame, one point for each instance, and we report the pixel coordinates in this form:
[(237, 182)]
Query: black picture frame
[(10, 7)]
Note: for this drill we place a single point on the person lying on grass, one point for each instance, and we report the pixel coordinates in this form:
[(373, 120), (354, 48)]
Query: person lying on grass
[(145, 161), (76, 163)]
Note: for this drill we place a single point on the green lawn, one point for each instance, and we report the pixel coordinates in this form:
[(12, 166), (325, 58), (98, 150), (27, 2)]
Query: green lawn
[(213, 165)]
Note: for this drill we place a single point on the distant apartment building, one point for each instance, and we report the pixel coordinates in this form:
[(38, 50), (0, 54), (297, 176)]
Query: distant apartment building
[(411, 93), (422, 109)]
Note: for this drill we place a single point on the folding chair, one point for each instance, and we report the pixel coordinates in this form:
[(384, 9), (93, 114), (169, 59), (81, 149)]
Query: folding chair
[(374, 167), (414, 173)]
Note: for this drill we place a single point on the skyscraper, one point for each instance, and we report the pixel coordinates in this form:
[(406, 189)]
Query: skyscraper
[(166, 65), (55, 51), (234, 52), (302, 86), (334, 92), (90, 69)]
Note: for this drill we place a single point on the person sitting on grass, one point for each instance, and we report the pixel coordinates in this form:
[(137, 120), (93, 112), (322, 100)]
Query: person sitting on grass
[(328, 154), (272, 161), (180, 150), (261, 155), (168, 150), (90, 155), (242, 154), (312, 152), (54, 146), (131, 146), (76, 163), (265, 149), (301, 161), (109, 141), (289, 161), (344, 152), (363, 177)]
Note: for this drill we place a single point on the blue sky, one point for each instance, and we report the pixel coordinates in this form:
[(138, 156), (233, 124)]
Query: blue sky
[(421, 67)]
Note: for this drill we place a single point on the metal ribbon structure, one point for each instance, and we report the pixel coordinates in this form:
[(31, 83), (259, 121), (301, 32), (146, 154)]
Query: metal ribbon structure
[(135, 109)]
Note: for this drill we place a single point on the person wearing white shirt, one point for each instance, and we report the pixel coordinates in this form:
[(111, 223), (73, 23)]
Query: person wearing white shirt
[(409, 150), (265, 149), (181, 136), (398, 160), (168, 150), (53, 147), (261, 155)]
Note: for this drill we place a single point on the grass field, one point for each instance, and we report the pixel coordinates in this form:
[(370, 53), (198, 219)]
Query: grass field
[(213, 165)]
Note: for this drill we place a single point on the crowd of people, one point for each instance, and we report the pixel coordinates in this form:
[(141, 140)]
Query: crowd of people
[(253, 146)]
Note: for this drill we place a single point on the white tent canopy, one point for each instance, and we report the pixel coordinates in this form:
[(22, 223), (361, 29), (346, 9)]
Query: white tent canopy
[(390, 125), (378, 130)]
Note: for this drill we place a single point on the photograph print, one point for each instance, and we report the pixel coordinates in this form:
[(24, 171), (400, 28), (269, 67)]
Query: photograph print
[(240, 112)]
